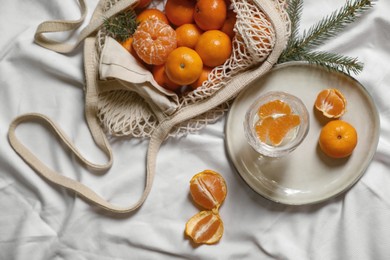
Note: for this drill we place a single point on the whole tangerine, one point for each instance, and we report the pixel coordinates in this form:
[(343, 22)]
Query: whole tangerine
[(202, 78), (338, 139), (162, 79), (180, 12), (183, 66), (152, 13), (188, 35), (214, 47), (128, 45), (210, 14), (228, 25)]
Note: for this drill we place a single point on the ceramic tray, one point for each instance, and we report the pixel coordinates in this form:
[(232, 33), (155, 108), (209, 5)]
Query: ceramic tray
[(306, 175)]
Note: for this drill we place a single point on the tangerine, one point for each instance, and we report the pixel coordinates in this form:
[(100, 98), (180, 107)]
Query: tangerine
[(183, 66), (162, 79), (274, 107), (128, 45), (208, 189), (205, 227), (210, 14), (338, 139), (273, 130), (214, 47), (142, 4), (180, 12), (188, 35), (151, 13), (202, 78), (276, 120), (228, 25), (331, 102), (153, 41)]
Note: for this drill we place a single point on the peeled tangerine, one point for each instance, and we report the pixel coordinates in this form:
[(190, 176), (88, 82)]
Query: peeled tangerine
[(331, 102), (208, 190), (205, 228)]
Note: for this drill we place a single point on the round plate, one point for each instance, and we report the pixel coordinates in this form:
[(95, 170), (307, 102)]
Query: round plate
[(305, 176)]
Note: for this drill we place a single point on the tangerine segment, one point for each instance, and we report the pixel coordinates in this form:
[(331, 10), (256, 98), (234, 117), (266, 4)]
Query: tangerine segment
[(205, 228), (273, 130), (274, 107), (338, 139), (153, 41), (208, 189), (331, 102)]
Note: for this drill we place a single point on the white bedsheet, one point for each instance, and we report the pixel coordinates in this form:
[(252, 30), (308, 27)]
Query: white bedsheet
[(41, 221)]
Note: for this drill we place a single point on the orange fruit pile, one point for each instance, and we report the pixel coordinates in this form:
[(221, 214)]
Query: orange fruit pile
[(196, 30), (276, 120), (337, 138), (208, 190)]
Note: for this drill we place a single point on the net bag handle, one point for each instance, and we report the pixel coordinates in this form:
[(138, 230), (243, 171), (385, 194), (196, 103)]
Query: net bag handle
[(96, 22), (159, 134)]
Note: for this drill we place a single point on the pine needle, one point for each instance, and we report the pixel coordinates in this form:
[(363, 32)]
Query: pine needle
[(294, 11), (301, 47), (121, 26), (331, 25), (333, 61)]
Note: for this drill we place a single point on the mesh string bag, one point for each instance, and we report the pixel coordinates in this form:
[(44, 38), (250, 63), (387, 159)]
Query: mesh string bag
[(122, 98), (124, 113)]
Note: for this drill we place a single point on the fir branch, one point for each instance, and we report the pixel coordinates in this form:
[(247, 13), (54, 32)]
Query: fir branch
[(121, 26), (294, 11), (331, 25), (301, 48), (333, 61)]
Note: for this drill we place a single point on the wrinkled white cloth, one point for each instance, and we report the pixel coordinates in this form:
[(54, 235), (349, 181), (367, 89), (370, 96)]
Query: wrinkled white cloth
[(41, 221)]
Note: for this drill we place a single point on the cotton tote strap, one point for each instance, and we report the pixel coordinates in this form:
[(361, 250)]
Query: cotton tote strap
[(91, 99), (99, 137), (71, 25)]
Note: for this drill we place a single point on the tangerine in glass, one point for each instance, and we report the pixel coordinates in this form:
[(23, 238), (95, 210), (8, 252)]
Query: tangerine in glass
[(331, 102), (276, 124), (210, 14), (208, 189), (180, 12), (214, 47), (188, 35), (205, 228), (338, 139), (152, 13), (273, 130), (153, 41), (183, 66)]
